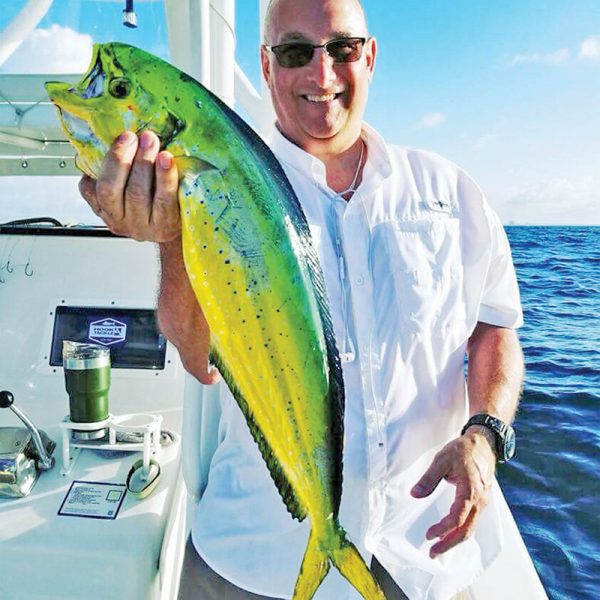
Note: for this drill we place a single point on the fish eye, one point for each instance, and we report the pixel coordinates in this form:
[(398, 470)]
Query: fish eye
[(120, 87)]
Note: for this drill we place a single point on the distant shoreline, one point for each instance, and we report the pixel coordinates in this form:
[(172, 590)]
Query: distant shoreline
[(546, 225)]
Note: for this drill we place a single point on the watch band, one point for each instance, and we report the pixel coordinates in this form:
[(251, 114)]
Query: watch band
[(493, 423), (504, 434)]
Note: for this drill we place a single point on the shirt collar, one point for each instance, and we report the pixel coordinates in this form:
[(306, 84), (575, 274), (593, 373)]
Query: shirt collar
[(293, 156), (379, 162)]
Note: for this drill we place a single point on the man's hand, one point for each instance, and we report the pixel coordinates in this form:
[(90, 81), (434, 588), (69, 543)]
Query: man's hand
[(136, 192), (468, 462)]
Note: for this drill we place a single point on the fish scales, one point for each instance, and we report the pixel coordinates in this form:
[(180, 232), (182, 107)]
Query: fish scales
[(254, 272), (255, 325)]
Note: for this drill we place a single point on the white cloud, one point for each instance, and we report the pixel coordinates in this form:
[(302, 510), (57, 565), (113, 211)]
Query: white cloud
[(53, 50), (557, 58), (554, 200), (590, 48), (431, 120)]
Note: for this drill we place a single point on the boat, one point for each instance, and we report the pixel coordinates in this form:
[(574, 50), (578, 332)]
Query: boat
[(107, 515)]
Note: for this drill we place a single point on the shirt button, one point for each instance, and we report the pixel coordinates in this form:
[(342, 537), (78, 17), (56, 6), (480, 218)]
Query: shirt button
[(360, 280)]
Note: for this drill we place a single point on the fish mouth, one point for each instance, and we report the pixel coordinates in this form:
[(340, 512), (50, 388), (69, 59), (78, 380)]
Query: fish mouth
[(77, 128)]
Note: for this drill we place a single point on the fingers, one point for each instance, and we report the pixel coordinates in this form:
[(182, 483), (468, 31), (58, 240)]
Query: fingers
[(136, 191), (165, 208), (202, 370), (210, 376), (111, 184), (463, 463), (139, 191), (466, 498), (456, 536), (431, 478), (87, 188)]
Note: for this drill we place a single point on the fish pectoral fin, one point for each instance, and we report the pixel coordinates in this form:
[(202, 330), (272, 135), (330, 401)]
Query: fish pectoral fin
[(173, 126), (191, 166), (203, 183)]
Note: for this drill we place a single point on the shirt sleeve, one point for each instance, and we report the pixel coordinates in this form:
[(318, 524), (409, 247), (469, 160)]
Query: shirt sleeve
[(500, 302)]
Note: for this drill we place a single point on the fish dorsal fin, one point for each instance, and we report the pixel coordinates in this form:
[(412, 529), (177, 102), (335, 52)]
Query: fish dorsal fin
[(291, 501)]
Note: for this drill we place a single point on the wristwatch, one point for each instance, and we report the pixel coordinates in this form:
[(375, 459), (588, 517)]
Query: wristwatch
[(504, 434)]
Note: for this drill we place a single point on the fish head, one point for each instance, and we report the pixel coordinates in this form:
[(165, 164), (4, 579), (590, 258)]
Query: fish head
[(122, 90)]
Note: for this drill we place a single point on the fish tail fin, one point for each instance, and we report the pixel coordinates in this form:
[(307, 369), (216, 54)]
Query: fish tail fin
[(346, 559), (315, 565)]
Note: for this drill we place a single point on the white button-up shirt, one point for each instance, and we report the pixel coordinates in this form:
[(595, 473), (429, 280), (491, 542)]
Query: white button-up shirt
[(412, 262)]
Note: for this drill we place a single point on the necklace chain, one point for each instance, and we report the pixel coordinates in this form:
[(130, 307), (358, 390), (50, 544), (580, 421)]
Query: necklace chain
[(355, 178)]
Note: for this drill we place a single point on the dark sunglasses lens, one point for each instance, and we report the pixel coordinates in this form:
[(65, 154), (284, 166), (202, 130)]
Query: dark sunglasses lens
[(345, 50), (293, 55)]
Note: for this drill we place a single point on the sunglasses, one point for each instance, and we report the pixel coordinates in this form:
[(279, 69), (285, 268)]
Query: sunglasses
[(298, 54)]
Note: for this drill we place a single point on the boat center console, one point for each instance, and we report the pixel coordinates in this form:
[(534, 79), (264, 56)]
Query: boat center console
[(92, 501)]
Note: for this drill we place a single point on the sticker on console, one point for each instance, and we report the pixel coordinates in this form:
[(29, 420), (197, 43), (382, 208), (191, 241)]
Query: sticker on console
[(107, 331), (93, 500)]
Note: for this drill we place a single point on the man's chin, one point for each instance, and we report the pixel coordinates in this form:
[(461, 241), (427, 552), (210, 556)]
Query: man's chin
[(323, 128), (329, 141), (317, 135)]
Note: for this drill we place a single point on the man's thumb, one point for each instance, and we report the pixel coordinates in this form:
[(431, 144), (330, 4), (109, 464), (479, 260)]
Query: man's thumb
[(428, 482)]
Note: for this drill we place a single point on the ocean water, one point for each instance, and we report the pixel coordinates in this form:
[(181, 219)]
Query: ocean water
[(553, 485)]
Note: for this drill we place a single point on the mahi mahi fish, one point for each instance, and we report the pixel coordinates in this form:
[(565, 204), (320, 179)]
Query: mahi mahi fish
[(255, 274)]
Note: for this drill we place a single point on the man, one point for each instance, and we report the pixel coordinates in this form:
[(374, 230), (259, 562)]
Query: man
[(418, 272)]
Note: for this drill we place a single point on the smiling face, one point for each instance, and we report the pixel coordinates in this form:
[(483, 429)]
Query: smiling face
[(320, 106)]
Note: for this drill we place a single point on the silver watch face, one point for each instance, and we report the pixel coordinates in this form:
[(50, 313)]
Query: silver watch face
[(510, 443)]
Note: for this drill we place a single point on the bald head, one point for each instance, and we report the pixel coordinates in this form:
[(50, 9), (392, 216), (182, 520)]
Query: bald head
[(271, 17)]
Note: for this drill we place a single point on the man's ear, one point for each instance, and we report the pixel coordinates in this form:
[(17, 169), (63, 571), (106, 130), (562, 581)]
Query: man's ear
[(265, 63), (370, 54)]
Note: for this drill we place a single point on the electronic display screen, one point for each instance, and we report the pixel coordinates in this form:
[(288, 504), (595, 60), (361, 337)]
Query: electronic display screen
[(131, 334)]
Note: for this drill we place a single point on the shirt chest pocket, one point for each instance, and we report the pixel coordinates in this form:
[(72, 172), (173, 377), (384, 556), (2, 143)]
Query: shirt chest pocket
[(425, 266)]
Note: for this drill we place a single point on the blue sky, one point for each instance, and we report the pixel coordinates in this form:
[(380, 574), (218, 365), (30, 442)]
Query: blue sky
[(508, 90)]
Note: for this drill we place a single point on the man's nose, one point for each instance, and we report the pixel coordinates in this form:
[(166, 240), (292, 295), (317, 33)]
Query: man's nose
[(321, 68)]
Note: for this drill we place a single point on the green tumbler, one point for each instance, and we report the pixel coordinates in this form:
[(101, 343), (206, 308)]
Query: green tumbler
[(87, 379)]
